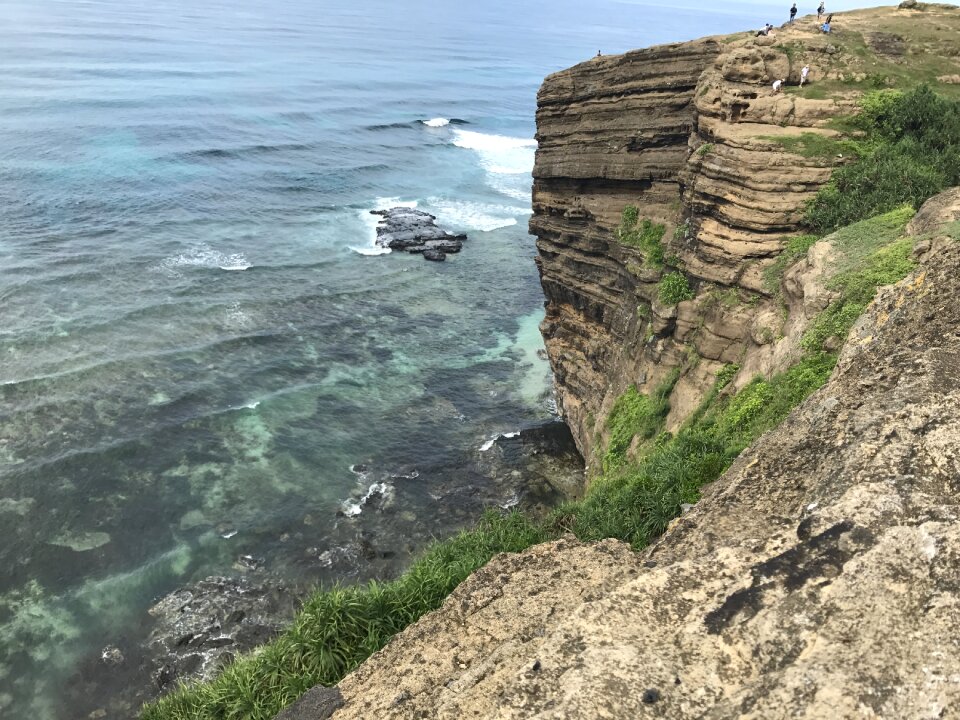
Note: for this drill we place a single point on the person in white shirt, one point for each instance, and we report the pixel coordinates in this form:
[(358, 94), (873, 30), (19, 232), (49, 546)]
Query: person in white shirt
[(803, 74), (777, 85)]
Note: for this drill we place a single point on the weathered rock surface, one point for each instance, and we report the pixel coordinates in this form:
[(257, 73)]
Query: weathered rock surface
[(415, 231), (818, 578), (693, 135)]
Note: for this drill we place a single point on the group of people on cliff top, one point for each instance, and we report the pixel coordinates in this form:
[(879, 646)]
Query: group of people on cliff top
[(767, 29)]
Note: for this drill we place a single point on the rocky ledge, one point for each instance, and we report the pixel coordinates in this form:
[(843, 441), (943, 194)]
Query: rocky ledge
[(415, 231), (817, 578)]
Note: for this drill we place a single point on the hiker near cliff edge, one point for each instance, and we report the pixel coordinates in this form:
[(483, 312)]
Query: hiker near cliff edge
[(803, 74), (793, 12), (778, 85), (820, 11)]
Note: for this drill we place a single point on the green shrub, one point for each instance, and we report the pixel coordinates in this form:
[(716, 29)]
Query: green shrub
[(674, 288), (911, 153), (705, 149), (725, 374)]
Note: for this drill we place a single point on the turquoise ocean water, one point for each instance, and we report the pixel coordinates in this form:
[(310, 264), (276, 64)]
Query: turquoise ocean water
[(198, 340)]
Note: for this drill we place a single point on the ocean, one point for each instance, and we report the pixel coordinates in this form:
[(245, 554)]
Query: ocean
[(205, 361)]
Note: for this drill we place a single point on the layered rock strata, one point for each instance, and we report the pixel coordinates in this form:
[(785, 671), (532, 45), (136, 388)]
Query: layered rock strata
[(694, 136), (818, 578)]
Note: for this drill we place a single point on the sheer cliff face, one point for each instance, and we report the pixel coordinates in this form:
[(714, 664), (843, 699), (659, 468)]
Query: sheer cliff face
[(687, 134)]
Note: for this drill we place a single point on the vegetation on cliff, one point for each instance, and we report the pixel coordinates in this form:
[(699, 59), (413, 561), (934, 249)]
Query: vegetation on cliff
[(909, 151), (645, 235)]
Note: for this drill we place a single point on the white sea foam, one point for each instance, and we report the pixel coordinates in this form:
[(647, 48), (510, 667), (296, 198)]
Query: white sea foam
[(370, 223), (436, 122), (507, 160), (500, 154), (203, 256), (352, 508), (466, 215), (489, 443)]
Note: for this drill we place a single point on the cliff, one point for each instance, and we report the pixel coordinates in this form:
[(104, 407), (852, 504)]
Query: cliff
[(694, 137), (817, 578)]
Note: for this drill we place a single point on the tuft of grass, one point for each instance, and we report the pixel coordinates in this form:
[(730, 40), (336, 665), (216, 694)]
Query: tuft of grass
[(815, 145), (674, 288), (645, 235), (705, 149)]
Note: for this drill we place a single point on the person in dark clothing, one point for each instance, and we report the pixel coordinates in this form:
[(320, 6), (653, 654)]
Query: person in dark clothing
[(793, 12), (820, 11)]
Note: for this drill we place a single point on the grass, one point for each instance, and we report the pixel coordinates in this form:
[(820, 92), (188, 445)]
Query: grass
[(637, 501), (857, 287), (337, 629), (645, 235), (636, 415)]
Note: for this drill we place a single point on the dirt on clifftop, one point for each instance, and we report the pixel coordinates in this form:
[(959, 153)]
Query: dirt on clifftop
[(818, 578)]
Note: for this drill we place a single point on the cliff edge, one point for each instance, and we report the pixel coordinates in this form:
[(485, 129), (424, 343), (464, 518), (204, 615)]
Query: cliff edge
[(818, 578)]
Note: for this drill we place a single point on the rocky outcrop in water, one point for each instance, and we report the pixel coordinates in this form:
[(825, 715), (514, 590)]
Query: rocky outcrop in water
[(817, 578), (200, 628), (415, 231), (693, 135)]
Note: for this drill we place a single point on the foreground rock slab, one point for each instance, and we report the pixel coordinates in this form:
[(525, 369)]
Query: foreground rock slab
[(818, 578), (415, 231)]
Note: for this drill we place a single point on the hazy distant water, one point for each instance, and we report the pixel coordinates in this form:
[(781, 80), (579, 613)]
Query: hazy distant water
[(195, 341)]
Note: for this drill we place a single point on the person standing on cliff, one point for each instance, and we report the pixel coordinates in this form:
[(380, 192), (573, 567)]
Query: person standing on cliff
[(820, 11), (803, 74), (793, 12)]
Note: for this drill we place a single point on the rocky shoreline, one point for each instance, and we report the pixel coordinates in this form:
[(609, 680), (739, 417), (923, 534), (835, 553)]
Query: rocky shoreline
[(194, 631)]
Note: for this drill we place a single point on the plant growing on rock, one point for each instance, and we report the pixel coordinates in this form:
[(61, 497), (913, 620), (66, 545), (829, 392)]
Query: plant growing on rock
[(674, 288), (645, 235)]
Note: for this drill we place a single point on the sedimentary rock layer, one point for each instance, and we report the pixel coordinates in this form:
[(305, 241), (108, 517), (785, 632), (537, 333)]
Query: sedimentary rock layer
[(694, 136)]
